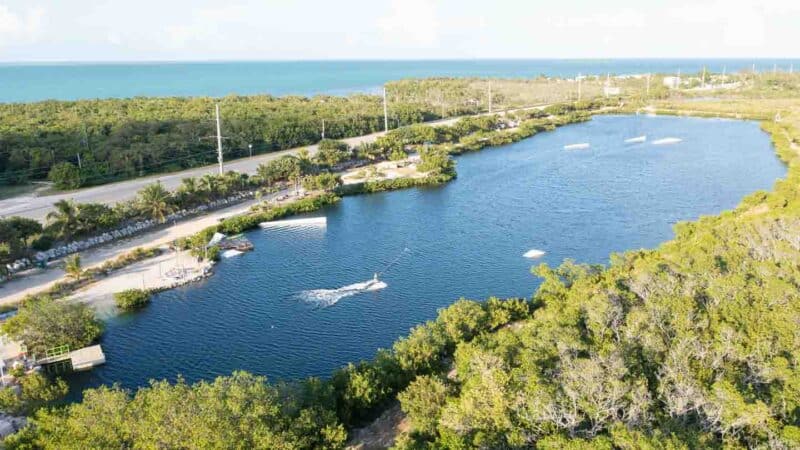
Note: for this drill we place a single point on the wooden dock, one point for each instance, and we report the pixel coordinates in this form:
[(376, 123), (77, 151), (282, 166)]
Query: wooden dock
[(81, 359)]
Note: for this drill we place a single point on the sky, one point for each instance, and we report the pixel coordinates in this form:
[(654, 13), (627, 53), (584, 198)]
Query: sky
[(150, 30)]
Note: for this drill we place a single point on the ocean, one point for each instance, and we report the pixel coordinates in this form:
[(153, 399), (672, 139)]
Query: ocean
[(72, 81)]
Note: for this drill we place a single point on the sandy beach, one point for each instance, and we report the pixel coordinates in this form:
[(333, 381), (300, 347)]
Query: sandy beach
[(16, 289), (161, 272)]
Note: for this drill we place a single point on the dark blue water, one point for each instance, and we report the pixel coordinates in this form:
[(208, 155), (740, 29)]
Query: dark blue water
[(465, 238), (33, 82)]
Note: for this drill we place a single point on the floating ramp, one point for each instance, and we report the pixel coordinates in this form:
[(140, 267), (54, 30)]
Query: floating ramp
[(581, 146), (636, 140), (304, 222), (667, 141), (231, 253)]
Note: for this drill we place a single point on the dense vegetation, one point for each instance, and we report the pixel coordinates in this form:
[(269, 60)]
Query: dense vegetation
[(131, 299), (42, 323), (95, 141), (244, 411), (88, 142), (691, 345)]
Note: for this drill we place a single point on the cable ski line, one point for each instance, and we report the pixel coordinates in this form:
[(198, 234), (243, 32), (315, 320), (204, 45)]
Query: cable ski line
[(394, 261)]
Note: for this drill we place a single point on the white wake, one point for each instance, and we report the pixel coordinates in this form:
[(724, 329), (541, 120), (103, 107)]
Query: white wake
[(533, 254), (324, 298)]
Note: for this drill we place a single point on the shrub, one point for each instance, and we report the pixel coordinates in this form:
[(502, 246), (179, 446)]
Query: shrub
[(43, 323), (131, 299), (324, 182), (43, 242), (65, 176)]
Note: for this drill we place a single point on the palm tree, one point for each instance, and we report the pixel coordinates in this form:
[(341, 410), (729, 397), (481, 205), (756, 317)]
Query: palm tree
[(210, 185), (72, 267), (154, 201), (188, 190), (64, 218)]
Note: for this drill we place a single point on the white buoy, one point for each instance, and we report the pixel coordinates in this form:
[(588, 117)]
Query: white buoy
[(582, 146), (533, 254), (667, 141)]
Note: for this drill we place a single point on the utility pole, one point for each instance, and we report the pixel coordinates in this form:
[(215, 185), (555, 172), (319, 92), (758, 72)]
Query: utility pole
[(219, 143), (490, 97), (385, 112)]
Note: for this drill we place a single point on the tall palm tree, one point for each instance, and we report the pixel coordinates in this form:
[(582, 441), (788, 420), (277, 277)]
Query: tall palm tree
[(64, 218), (154, 201)]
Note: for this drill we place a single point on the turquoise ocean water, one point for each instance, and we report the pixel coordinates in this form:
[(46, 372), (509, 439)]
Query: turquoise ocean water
[(34, 82)]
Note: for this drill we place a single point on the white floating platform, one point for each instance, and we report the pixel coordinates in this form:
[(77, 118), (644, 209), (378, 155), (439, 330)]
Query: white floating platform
[(306, 221), (87, 357), (636, 140), (231, 253), (533, 254), (667, 141), (582, 146)]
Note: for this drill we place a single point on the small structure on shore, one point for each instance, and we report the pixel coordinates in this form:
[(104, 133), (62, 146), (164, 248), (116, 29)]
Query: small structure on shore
[(237, 242), (78, 360)]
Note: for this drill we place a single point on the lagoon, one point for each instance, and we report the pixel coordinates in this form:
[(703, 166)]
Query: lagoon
[(264, 311)]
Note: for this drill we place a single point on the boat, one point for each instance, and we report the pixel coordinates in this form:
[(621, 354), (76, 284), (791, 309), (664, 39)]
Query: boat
[(666, 141), (581, 146), (636, 140), (375, 280)]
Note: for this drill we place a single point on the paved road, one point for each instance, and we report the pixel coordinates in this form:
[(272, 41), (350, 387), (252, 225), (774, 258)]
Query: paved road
[(37, 207)]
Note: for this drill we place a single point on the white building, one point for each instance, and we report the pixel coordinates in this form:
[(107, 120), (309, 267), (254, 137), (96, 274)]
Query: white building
[(672, 82)]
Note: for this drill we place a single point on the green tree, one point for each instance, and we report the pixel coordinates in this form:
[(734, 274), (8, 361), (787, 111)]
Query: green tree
[(63, 220), (423, 401), (73, 268), (42, 323), (65, 176), (155, 202), (131, 299)]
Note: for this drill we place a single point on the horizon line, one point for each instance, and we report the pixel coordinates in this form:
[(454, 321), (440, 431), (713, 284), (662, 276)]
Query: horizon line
[(454, 59)]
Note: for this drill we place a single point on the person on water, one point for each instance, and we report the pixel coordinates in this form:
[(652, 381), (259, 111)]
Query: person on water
[(375, 278)]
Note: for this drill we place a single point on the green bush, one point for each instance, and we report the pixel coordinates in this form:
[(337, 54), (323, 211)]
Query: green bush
[(43, 242), (131, 299), (65, 176), (42, 323)]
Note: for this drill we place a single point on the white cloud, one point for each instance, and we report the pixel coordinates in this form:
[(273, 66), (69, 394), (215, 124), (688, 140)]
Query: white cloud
[(206, 25), (26, 26), (410, 23)]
